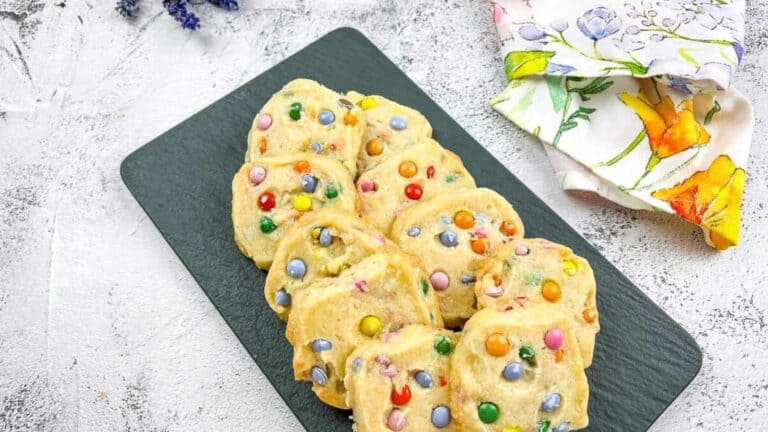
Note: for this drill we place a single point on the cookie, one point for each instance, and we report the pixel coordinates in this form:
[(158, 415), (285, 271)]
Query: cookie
[(320, 244), (413, 175), (453, 234), (332, 316), (400, 383), (271, 193), (390, 127), (537, 271), (309, 117), (519, 370)]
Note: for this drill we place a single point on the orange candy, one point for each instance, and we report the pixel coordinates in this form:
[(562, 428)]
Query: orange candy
[(407, 168), (590, 315), (559, 354), (508, 228), (301, 166), (497, 345), (374, 147), (496, 280), (263, 145), (551, 290), (350, 119), (478, 246), (464, 219)]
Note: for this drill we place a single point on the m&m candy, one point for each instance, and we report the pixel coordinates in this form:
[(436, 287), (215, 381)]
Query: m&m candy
[(398, 123), (282, 298), (497, 345), (407, 168), (396, 420), (320, 345), (551, 402), (367, 103), (257, 174), (267, 201), (413, 191), (331, 192), (413, 231), (439, 280), (370, 325), (477, 245), (449, 239), (521, 250), (508, 228), (308, 183), (367, 186), (488, 412), (554, 338), (590, 315), (319, 376), (264, 121), (302, 203), (441, 416), (401, 397), (296, 268), (527, 353), (295, 111), (550, 290), (443, 345), (424, 379), (464, 219), (326, 117), (513, 371), (266, 225), (325, 238)]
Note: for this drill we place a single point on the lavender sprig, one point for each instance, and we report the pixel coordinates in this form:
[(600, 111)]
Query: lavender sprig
[(127, 8), (225, 4), (178, 10)]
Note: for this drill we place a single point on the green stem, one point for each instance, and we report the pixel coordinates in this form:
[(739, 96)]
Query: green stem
[(597, 56), (635, 142), (556, 139), (673, 35), (597, 51)]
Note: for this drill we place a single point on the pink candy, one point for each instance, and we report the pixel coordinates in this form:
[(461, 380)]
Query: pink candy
[(264, 122), (439, 280), (361, 285), (554, 338), (521, 250), (396, 420), (481, 232), (494, 292), (389, 371), (257, 174), (367, 186)]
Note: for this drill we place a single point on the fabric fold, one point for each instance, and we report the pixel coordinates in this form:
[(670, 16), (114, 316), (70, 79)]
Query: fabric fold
[(633, 101)]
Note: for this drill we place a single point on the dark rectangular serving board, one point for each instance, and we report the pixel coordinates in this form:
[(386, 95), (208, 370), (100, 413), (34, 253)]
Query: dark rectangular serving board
[(182, 180)]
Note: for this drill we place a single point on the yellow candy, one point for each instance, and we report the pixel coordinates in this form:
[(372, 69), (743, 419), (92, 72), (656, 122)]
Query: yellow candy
[(513, 429), (316, 233), (302, 203), (367, 103), (370, 325), (570, 268)]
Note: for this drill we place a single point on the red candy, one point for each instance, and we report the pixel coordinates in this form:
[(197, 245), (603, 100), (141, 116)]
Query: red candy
[(266, 201), (430, 172), (401, 398), (413, 191)]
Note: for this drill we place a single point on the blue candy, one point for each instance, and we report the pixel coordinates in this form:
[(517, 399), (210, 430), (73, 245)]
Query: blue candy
[(424, 379), (414, 231), (319, 345), (282, 298), (356, 363), (325, 238), (449, 239), (398, 123), (319, 376), (551, 402), (308, 183), (565, 427), (316, 147), (513, 371), (441, 416), (296, 268), (326, 117), (468, 278)]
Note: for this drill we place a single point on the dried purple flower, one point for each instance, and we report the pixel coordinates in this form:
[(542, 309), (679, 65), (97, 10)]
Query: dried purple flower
[(225, 4), (178, 10), (127, 8)]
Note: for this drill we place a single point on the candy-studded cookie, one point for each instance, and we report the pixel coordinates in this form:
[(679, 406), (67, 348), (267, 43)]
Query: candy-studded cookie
[(453, 233), (390, 127), (271, 193), (320, 244), (537, 271), (332, 316), (306, 116), (519, 370), (408, 177), (400, 382)]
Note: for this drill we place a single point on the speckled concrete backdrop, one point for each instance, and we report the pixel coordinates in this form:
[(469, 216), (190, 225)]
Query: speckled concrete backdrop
[(101, 328)]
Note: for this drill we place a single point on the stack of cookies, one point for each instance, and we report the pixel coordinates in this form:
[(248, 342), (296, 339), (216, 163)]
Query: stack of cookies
[(411, 296)]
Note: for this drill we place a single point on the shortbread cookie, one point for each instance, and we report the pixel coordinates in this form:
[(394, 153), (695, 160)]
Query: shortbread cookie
[(320, 244), (518, 370), (306, 116), (413, 175), (400, 383), (271, 193), (453, 233), (538, 271), (390, 127), (332, 316)]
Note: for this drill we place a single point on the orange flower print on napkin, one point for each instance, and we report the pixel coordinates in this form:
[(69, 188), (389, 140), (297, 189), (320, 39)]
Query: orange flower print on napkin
[(669, 131), (712, 199)]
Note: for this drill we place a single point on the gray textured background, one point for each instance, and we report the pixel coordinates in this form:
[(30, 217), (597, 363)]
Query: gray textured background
[(101, 327)]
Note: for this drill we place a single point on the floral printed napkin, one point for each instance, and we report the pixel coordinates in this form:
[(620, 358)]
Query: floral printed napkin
[(633, 101)]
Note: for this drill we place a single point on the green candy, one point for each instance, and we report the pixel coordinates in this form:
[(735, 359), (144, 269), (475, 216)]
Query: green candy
[(295, 111), (331, 192), (424, 286), (544, 426), (443, 345), (452, 177), (528, 354), (488, 412), (266, 225)]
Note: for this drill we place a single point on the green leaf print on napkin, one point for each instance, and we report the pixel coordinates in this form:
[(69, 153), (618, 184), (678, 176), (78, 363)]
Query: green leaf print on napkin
[(519, 64)]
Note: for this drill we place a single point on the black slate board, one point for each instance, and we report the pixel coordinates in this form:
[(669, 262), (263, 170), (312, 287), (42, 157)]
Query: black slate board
[(182, 180)]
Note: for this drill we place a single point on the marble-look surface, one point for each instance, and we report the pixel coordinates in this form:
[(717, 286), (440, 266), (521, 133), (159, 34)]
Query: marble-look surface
[(101, 327)]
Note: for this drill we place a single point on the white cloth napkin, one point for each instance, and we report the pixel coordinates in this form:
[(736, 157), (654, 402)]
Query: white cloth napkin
[(633, 101)]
